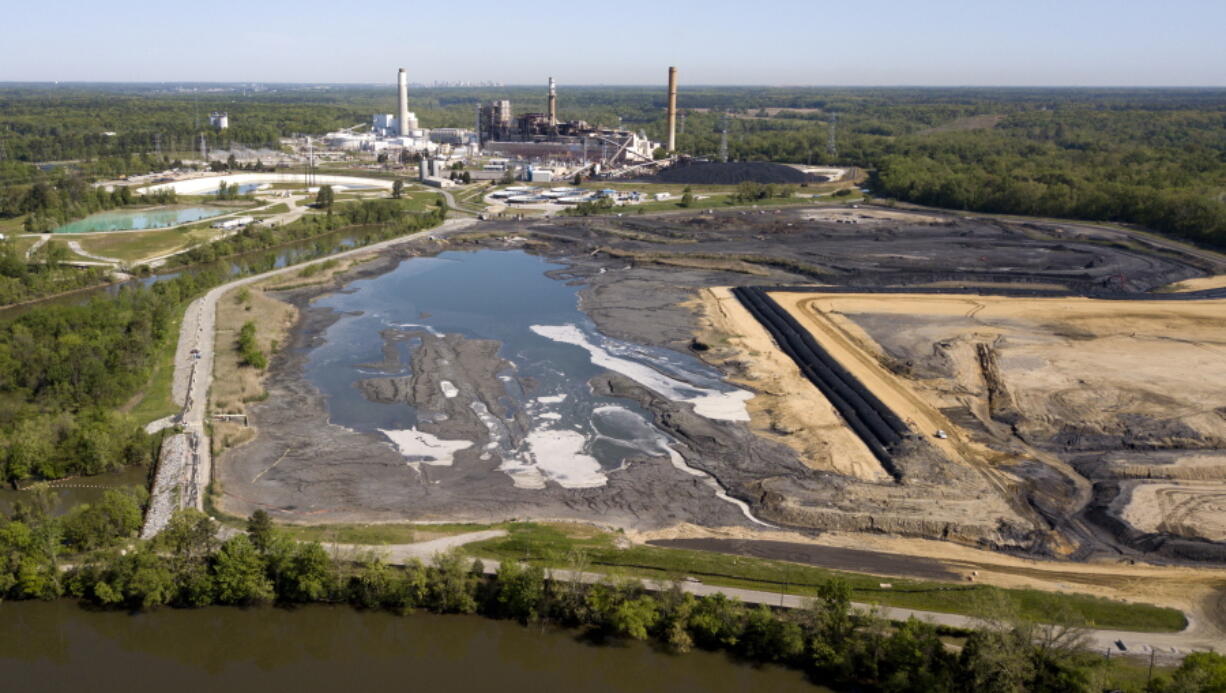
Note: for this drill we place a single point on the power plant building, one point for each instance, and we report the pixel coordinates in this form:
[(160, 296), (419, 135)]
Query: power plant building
[(543, 136), (219, 120)]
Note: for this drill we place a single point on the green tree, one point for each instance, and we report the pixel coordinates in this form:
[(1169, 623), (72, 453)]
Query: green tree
[(325, 197), (116, 516), (397, 189), (451, 585), (520, 591), (687, 197), (310, 575), (1200, 672), (239, 574), (261, 531)]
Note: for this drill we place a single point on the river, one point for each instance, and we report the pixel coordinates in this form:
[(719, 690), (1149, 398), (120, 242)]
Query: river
[(56, 646)]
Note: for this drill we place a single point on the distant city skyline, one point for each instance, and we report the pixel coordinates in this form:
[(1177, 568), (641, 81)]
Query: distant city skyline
[(783, 43)]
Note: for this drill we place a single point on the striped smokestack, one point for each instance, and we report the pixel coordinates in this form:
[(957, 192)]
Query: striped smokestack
[(672, 109), (402, 118)]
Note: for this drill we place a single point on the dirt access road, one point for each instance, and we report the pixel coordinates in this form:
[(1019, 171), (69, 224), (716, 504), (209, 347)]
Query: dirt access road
[(194, 359)]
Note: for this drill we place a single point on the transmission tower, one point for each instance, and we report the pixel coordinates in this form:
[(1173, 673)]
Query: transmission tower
[(157, 143), (204, 149), (723, 138), (832, 147)]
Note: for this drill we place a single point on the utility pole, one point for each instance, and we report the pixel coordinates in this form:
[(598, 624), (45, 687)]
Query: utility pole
[(157, 143)]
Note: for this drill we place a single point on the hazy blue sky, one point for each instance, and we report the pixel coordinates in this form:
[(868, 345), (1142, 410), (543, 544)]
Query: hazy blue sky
[(882, 42)]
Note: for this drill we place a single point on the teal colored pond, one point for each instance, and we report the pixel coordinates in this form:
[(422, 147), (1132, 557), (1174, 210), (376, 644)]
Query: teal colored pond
[(127, 220)]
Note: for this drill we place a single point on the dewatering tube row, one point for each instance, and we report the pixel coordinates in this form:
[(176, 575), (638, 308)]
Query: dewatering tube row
[(874, 422)]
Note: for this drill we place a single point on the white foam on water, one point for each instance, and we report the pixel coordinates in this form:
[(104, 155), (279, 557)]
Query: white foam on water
[(657, 443), (421, 447), (554, 455), (448, 388), (552, 399), (713, 404), (549, 416)]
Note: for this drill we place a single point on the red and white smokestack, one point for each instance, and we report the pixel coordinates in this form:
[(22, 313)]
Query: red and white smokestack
[(672, 109), (402, 118)]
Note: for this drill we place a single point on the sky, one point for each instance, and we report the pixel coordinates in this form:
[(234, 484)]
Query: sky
[(770, 42)]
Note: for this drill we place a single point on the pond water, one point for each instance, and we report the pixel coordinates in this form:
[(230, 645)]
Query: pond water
[(68, 493), (575, 437), (57, 646), (243, 189), (127, 220)]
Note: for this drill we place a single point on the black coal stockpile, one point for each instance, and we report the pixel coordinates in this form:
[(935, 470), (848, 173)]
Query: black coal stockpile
[(875, 423), (715, 173)]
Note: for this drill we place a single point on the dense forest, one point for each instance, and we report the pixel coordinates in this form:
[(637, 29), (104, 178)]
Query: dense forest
[(1154, 157), (65, 370), (189, 565)]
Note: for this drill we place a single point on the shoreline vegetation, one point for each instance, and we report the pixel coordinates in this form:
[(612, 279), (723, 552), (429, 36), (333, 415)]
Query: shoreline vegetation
[(189, 566)]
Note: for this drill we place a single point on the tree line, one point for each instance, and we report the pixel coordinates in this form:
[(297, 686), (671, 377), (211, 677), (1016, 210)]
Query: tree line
[(188, 566)]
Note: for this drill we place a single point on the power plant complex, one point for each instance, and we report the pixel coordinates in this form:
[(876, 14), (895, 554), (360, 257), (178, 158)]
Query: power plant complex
[(540, 140)]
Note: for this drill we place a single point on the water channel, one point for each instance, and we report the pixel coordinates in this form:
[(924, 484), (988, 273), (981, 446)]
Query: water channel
[(57, 646)]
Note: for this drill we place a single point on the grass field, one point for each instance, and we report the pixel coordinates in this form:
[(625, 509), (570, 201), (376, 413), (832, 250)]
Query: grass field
[(377, 534), (134, 246), (551, 545)]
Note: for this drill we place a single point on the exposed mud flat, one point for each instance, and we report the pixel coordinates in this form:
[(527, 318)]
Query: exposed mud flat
[(646, 282)]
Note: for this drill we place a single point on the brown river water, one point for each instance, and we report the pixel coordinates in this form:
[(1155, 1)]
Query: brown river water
[(58, 646)]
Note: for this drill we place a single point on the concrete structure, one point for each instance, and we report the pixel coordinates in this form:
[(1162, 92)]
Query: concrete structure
[(436, 182), (236, 222), (672, 109), (402, 86), (219, 120)]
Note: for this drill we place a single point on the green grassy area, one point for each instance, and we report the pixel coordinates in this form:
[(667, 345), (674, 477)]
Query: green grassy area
[(155, 400), (281, 208), (377, 534), (551, 545), (133, 246), (23, 243), (13, 226)]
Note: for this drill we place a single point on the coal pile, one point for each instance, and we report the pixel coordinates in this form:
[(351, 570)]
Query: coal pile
[(715, 173)]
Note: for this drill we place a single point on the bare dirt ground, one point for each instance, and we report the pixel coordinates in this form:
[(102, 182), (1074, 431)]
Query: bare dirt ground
[(1036, 391)]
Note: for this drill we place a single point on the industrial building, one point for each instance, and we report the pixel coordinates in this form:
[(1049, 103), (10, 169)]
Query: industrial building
[(543, 136), (219, 120)]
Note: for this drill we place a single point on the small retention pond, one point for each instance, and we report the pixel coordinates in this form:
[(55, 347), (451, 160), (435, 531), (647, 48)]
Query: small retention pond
[(57, 646), (132, 220)]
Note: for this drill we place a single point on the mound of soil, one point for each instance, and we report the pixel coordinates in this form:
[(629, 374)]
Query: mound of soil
[(715, 173)]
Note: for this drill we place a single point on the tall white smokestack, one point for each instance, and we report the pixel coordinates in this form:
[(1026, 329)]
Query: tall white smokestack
[(553, 103), (403, 87)]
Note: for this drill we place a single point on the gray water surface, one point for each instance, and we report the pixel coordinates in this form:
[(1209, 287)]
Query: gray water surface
[(505, 296)]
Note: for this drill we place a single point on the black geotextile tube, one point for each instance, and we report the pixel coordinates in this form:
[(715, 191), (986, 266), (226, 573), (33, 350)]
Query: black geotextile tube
[(813, 364), (878, 409), (846, 395), (821, 380)]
